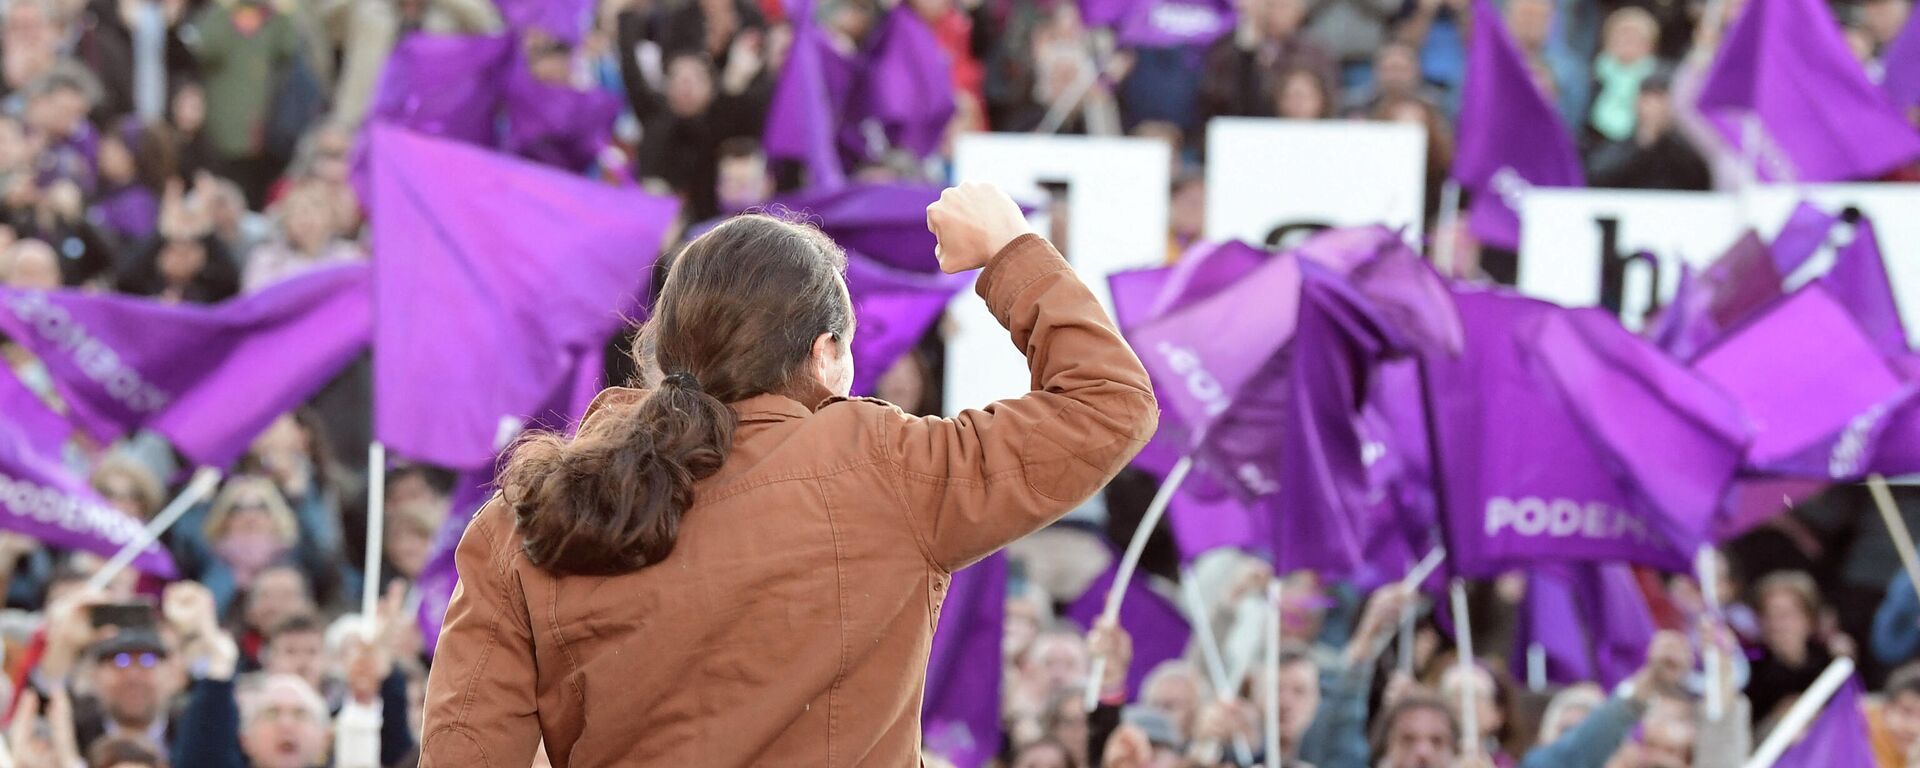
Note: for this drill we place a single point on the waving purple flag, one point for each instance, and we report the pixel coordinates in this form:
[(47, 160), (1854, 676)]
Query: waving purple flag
[(23, 411), (38, 498), (1902, 64), (1803, 234), (1812, 384), (1786, 82), (961, 714), (809, 102), (444, 85), (554, 124), (908, 84), (1742, 281), (540, 265), (1511, 138), (892, 309), (1172, 23), (1158, 627), (1838, 737), (1580, 613), (209, 378), (1528, 475), (1859, 282), (884, 222), (563, 20)]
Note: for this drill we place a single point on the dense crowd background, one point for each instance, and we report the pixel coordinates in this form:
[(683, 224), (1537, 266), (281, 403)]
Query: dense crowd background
[(196, 150)]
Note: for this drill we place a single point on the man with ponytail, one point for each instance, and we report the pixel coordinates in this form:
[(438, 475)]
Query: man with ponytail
[(742, 566)]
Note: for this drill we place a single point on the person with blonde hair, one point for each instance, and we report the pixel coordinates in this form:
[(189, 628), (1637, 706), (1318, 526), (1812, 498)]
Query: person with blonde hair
[(249, 528)]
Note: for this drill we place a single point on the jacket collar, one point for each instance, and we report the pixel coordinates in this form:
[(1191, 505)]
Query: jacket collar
[(769, 407)]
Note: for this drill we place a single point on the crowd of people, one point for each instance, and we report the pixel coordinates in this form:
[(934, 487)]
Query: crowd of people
[(197, 150)]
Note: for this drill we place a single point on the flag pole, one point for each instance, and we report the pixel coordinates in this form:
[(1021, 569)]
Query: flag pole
[(376, 534), (1463, 645), (1443, 249), (1536, 667), (1272, 714), (1411, 584), (1803, 711), (1209, 654), (1704, 568), (1896, 528), (202, 484), (1130, 562)]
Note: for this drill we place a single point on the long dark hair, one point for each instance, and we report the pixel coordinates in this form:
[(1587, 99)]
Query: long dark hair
[(737, 317)]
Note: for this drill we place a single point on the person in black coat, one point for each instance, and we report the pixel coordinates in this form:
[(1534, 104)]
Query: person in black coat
[(684, 123), (1656, 156)]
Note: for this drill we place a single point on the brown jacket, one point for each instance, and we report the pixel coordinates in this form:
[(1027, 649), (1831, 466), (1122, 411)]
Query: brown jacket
[(792, 622)]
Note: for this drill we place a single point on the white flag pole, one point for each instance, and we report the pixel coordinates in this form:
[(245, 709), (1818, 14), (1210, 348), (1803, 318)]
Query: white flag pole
[(204, 481), (1130, 562), (1803, 711), (376, 534), (1463, 643), (1706, 570), (1210, 654)]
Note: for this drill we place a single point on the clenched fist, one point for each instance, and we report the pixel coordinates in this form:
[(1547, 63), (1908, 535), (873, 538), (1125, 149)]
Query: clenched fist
[(971, 223)]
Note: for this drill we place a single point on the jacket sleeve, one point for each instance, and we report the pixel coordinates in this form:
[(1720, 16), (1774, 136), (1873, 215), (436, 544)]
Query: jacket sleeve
[(1896, 625), (480, 707), (1337, 737), (1591, 742), (982, 479), (209, 731)]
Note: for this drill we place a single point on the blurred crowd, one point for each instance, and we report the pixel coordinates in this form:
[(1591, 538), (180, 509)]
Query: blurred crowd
[(195, 150)]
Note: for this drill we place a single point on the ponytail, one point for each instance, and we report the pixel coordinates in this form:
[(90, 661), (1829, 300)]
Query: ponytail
[(611, 500), (736, 318)]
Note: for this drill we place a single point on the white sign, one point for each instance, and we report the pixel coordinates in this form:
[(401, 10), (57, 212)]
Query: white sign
[(1264, 174), (1116, 192), (1572, 239)]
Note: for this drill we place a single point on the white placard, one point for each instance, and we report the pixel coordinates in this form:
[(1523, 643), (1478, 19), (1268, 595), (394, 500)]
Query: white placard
[(1117, 190), (1264, 173), (1563, 237)]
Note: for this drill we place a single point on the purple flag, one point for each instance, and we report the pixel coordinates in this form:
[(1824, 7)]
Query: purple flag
[(554, 124), (1741, 282), (209, 378), (1858, 281), (473, 488), (43, 431), (531, 272), (1581, 614), (1812, 385), (1803, 234), (884, 222), (908, 84), (892, 309), (1785, 82), (961, 713), (1536, 420), (809, 103), (444, 86), (1685, 325), (563, 20), (1838, 737), (1169, 23), (1412, 298), (38, 498), (1511, 138), (1158, 627), (1902, 64)]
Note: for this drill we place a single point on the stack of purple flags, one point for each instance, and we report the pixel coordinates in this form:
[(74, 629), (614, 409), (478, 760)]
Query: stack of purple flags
[(961, 713), (208, 378), (539, 271), (1563, 437), (1786, 88), (1511, 138)]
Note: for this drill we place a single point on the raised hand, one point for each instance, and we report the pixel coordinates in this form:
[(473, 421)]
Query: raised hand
[(971, 223)]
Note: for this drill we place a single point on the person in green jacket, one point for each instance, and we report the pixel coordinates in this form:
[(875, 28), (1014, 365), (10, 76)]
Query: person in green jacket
[(242, 46)]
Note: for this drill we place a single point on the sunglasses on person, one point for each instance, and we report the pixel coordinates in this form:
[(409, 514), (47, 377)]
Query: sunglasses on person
[(130, 660)]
